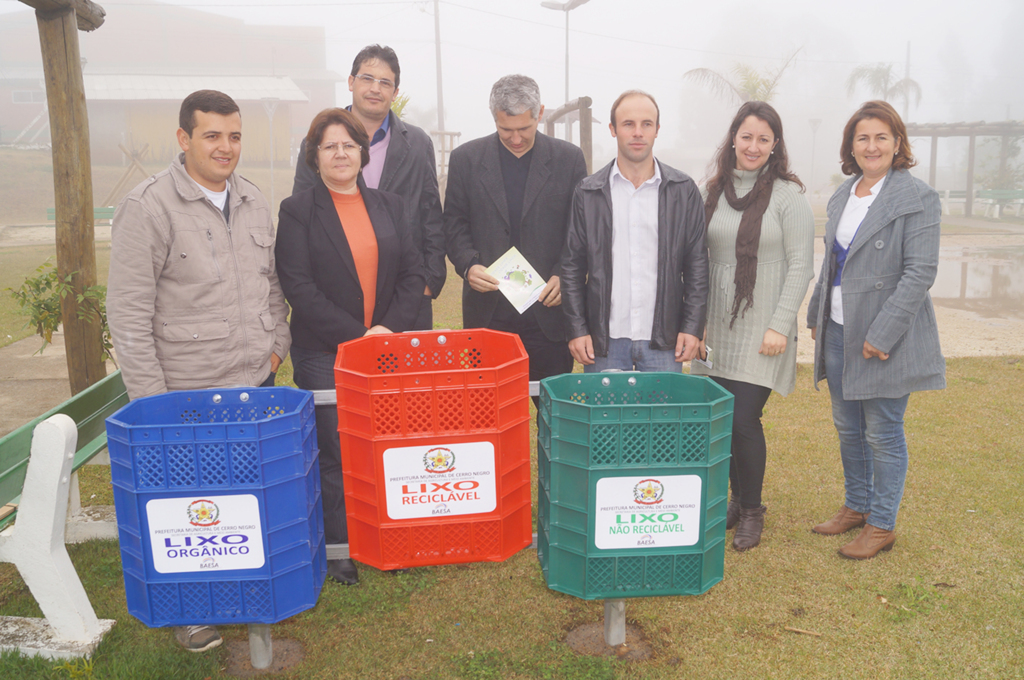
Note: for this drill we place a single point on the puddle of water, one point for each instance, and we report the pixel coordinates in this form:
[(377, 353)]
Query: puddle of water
[(988, 281), (985, 280)]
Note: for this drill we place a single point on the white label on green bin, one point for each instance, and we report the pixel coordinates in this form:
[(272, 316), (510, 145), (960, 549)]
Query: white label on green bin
[(439, 481), (205, 533), (647, 512)]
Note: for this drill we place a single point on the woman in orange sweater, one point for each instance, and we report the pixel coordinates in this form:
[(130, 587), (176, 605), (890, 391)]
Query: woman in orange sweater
[(349, 268)]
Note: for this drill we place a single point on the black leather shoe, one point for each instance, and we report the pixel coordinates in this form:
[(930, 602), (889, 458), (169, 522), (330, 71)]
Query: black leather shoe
[(343, 571)]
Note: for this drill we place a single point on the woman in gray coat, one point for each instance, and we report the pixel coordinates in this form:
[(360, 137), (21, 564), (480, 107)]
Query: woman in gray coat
[(871, 316)]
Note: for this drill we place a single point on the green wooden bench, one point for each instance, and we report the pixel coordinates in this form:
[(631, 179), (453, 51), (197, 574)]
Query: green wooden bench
[(952, 196), (89, 409), (1000, 200), (995, 201), (104, 214), (37, 464)]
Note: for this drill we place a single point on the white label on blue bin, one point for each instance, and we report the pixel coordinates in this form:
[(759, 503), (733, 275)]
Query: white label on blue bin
[(647, 512), (440, 481), (205, 533)]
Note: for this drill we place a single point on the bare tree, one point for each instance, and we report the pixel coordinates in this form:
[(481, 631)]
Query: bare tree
[(747, 83)]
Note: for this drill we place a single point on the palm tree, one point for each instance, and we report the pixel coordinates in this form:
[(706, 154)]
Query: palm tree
[(880, 80), (747, 84), (399, 104)]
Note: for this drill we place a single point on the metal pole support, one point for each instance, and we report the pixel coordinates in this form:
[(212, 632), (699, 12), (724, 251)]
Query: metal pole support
[(330, 397), (614, 622), (261, 647)]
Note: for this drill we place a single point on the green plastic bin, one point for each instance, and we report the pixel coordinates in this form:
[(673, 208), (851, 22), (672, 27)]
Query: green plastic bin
[(633, 476)]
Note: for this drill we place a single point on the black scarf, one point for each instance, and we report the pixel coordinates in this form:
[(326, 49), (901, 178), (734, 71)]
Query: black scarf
[(748, 237)]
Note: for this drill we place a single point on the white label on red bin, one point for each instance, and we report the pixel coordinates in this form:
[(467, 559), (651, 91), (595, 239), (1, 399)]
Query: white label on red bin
[(205, 533), (647, 512), (440, 481)]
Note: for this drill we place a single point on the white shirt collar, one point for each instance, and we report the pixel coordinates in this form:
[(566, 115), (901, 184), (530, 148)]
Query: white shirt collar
[(218, 198), (655, 179), (874, 189)]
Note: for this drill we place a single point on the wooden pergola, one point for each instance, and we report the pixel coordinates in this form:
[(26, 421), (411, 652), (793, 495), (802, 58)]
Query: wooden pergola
[(1005, 130), (59, 22)]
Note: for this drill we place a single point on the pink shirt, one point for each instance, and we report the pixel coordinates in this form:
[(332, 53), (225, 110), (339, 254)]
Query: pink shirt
[(372, 170)]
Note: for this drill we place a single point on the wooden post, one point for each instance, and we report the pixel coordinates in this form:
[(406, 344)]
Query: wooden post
[(1004, 157), (587, 131), (969, 205), (933, 169), (72, 185)]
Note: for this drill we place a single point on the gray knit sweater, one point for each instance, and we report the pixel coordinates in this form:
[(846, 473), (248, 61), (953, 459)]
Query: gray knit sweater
[(784, 268)]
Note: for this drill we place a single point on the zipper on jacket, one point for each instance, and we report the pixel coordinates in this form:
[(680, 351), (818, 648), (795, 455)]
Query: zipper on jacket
[(213, 254), (241, 305)]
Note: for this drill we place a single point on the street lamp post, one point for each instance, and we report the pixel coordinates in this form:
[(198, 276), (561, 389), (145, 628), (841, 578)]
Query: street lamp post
[(437, 62), (565, 7)]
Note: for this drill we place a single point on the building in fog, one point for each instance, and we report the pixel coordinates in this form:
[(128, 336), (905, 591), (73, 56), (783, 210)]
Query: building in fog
[(148, 56)]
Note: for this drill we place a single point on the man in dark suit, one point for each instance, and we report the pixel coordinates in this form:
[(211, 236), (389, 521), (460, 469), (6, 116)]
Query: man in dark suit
[(513, 188), (401, 162)]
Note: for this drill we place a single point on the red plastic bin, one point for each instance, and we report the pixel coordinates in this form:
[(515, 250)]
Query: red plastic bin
[(435, 447)]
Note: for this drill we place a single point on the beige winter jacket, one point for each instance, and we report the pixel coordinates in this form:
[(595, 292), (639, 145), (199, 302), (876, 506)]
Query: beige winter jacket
[(193, 301)]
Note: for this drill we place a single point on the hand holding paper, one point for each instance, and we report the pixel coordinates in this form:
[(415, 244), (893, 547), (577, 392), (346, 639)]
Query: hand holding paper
[(517, 279)]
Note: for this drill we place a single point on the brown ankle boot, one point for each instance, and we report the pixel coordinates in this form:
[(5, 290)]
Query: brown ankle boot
[(732, 514), (868, 543), (844, 521), (749, 528)]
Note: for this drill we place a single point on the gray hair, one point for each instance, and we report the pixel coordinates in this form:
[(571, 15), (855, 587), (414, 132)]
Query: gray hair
[(515, 95)]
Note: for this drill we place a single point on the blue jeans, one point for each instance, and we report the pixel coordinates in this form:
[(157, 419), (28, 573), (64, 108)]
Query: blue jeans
[(629, 355), (871, 442)]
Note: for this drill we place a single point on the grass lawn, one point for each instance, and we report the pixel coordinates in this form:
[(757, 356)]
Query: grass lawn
[(18, 264), (947, 602)]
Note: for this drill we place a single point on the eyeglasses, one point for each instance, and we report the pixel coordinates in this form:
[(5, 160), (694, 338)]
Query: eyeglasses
[(332, 148), (369, 80)]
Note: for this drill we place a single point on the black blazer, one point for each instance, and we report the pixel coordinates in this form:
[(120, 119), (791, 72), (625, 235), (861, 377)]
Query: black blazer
[(409, 171), (476, 222), (318, 272)]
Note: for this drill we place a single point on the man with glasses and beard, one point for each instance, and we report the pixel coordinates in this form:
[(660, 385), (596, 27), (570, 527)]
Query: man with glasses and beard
[(401, 162)]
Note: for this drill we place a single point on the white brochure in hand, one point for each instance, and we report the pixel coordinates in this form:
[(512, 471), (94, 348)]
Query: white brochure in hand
[(517, 279), (706, 361)]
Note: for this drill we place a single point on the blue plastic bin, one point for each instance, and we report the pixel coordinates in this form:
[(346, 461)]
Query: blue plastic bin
[(217, 495)]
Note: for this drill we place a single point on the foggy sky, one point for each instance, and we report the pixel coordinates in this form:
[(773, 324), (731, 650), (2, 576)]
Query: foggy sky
[(967, 57)]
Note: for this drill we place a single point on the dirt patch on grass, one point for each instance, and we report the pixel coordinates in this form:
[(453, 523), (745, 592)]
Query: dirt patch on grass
[(588, 639), (287, 654)]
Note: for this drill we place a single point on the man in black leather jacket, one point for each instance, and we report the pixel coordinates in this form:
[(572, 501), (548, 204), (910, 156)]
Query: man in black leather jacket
[(635, 266)]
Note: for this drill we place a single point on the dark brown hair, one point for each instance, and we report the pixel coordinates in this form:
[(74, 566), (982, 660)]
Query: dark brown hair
[(724, 163), (883, 111), (379, 53), (207, 101), (630, 93), (324, 120)]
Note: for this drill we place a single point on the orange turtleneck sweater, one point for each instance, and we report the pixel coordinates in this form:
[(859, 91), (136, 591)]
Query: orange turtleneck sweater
[(362, 241)]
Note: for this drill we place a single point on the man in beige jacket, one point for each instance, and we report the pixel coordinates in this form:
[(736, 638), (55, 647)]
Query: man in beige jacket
[(193, 298)]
